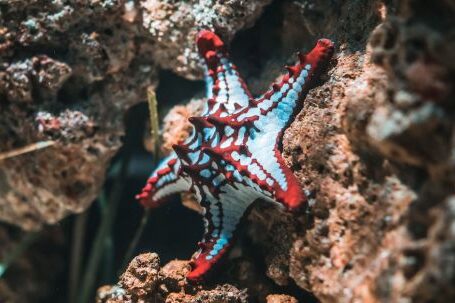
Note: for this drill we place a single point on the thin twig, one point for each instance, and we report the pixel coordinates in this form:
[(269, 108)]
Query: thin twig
[(108, 259), (17, 251), (77, 250), (108, 256), (108, 217), (26, 149), (137, 236), (154, 131), (154, 122)]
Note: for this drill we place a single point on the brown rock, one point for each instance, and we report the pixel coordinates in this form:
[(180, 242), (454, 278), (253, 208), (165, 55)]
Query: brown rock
[(173, 274), (62, 96), (221, 294), (142, 283), (176, 126), (67, 78), (173, 27), (281, 299), (112, 294), (141, 276)]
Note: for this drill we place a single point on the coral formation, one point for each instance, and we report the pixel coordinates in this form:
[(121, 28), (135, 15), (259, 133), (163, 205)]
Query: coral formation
[(280, 299), (375, 153), (144, 281), (65, 78), (173, 26)]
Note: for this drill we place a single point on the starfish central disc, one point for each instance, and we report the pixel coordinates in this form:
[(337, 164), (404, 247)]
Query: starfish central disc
[(232, 157)]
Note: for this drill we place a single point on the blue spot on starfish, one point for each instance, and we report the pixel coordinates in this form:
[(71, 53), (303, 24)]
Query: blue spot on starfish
[(232, 157)]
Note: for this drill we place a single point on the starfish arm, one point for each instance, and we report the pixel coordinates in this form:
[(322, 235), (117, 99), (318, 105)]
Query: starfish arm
[(226, 90), (223, 213), (261, 162), (164, 182), (261, 127), (282, 102)]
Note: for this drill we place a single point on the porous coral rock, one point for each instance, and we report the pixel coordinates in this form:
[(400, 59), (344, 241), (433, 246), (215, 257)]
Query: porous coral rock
[(112, 294), (56, 65), (142, 283), (49, 91), (374, 154), (281, 299), (173, 275), (141, 276), (176, 127), (221, 294), (173, 26)]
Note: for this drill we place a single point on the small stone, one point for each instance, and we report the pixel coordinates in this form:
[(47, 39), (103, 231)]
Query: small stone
[(141, 276), (281, 299), (173, 274), (112, 294)]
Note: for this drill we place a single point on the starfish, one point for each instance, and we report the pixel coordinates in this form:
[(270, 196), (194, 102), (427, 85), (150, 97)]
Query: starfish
[(232, 157)]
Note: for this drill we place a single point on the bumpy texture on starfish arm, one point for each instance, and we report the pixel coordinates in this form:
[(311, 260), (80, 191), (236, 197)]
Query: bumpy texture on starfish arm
[(232, 157)]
